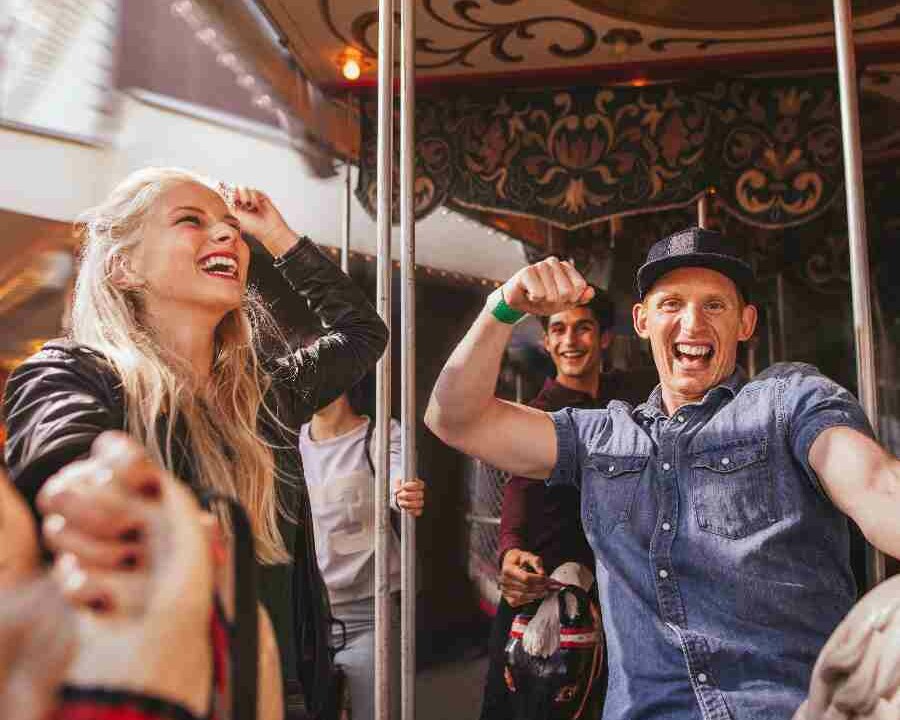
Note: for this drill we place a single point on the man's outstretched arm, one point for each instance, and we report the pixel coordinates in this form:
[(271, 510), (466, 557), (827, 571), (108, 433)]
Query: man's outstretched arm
[(863, 480), (463, 411)]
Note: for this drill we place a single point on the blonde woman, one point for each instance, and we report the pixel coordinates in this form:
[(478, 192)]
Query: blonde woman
[(163, 346)]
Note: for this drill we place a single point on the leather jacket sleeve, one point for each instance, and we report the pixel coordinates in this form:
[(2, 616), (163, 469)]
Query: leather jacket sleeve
[(355, 335), (57, 402)]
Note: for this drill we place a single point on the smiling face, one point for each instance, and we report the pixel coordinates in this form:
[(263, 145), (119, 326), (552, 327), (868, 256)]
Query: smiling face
[(191, 261), (694, 318), (575, 343)]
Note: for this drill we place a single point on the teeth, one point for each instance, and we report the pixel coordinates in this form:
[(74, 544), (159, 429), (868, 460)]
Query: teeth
[(220, 263), (693, 350)]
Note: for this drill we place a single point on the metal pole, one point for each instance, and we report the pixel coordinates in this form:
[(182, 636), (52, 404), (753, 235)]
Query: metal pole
[(408, 342), (751, 357), (345, 219), (703, 211), (856, 223), (770, 329), (383, 386), (782, 323)]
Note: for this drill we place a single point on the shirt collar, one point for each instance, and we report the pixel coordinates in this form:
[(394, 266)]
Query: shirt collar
[(559, 395), (654, 406)]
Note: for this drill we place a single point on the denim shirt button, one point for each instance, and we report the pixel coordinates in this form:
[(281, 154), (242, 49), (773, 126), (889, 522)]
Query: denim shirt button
[(701, 678), (666, 526), (612, 468), (666, 466), (664, 574), (725, 461), (680, 418)]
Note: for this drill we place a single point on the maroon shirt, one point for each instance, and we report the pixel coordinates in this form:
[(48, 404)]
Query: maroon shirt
[(546, 520)]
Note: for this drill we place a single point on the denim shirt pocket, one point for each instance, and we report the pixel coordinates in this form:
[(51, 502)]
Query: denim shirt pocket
[(733, 492), (612, 482)]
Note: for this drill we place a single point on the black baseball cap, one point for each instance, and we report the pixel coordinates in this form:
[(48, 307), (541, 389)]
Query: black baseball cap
[(696, 247)]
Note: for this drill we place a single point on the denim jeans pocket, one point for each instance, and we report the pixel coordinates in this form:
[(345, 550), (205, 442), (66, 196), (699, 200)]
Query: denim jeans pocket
[(612, 482), (732, 492)]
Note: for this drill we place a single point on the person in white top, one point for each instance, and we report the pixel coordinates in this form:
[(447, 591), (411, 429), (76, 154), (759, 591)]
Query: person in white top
[(338, 472)]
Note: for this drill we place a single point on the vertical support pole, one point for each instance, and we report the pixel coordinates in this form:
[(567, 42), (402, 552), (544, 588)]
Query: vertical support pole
[(345, 213), (751, 357), (782, 323), (856, 223), (408, 343), (770, 330), (703, 211), (383, 372)]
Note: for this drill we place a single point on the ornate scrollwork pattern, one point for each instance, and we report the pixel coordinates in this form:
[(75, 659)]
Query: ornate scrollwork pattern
[(781, 151), (704, 43), (476, 33), (771, 148)]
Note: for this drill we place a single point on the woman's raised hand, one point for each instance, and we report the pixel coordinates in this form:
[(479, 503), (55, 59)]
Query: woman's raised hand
[(547, 287), (260, 218)]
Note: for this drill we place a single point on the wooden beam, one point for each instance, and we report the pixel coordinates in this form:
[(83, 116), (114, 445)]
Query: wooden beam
[(320, 116)]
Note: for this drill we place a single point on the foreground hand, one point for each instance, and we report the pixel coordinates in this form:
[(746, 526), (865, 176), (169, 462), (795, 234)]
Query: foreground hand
[(259, 217), (37, 640), (117, 504), (857, 674), (522, 578), (410, 496), (18, 541), (547, 287)]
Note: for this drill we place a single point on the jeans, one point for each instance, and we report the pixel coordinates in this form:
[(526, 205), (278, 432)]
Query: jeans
[(358, 656)]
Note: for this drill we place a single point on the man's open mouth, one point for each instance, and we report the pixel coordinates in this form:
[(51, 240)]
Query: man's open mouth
[(220, 266), (693, 354)]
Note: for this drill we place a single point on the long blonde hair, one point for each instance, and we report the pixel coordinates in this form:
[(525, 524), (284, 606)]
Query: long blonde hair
[(229, 454)]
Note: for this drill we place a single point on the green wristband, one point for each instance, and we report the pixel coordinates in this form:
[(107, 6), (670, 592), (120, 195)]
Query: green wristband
[(504, 313)]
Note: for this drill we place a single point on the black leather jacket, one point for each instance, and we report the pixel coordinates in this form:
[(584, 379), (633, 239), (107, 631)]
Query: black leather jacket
[(59, 400)]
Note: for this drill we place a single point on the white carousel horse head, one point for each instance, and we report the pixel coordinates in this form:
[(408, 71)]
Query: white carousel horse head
[(541, 637)]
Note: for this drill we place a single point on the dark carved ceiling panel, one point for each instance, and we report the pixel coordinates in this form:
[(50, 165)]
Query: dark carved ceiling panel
[(538, 41), (714, 14)]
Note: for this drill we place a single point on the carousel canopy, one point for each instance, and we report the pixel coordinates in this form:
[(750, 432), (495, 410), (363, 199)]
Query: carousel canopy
[(541, 41), (569, 113)]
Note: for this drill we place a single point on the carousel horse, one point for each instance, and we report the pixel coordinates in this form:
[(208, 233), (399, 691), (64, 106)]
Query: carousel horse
[(857, 675), (554, 655)]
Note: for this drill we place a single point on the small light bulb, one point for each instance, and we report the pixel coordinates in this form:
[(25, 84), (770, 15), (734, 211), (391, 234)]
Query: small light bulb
[(351, 69)]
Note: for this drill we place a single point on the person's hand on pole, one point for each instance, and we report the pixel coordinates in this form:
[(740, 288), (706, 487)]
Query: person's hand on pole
[(522, 578), (409, 496)]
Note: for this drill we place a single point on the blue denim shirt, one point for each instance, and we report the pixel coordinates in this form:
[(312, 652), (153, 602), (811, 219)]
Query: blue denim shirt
[(722, 565)]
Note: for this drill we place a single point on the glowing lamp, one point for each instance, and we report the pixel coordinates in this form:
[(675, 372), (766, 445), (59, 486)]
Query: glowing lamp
[(350, 68)]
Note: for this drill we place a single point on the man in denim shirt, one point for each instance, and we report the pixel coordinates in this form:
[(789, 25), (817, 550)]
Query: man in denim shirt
[(717, 509)]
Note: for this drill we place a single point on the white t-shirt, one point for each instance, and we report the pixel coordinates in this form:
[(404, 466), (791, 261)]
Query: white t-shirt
[(342, 501)]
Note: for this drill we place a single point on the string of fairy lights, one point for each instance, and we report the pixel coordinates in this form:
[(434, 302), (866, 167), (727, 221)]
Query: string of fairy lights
[(213, 35)]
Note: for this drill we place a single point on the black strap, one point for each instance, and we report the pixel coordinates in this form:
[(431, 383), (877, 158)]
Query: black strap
[(312, 619), (244, 630), (370, 431)]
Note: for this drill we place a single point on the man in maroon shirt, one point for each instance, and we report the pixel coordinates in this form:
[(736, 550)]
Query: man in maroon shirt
[(540, 526)]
